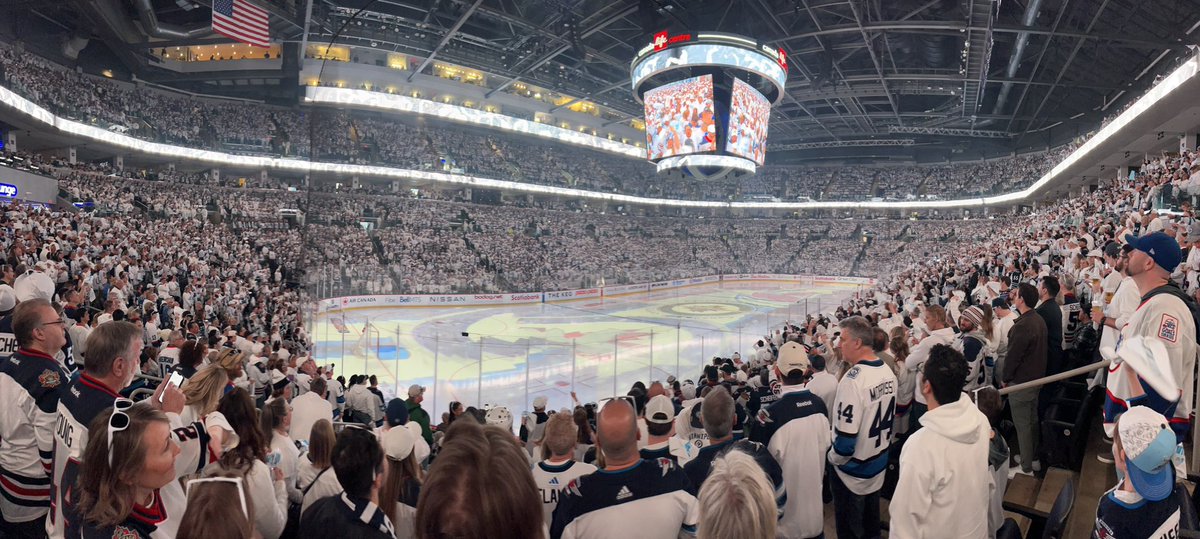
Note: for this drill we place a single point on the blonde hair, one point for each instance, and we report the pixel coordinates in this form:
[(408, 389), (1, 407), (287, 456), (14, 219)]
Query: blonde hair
[(106, 493), (559, 435), (736, 500), (230, 359), (204, 390), (399, 474), (214, 510), (320, 444)]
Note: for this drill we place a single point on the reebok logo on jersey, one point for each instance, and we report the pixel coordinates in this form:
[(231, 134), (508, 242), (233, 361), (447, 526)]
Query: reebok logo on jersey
[(624, 493)]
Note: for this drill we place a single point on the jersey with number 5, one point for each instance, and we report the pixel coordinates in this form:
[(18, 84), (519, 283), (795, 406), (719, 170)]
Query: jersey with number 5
[(862, 425)]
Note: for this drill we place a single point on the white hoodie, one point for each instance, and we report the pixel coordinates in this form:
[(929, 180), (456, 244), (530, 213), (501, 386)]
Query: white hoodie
[(944, 481)]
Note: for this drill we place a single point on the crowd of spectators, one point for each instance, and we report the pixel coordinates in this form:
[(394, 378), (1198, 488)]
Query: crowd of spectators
[(369, 138)]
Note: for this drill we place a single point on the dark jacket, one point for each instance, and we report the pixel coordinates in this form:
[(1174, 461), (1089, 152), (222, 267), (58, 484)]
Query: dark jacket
[(343, 517), (1026, 357), (1051, 313)]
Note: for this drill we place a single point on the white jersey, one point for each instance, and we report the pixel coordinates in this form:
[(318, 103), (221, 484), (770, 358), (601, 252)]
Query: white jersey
[(551, 479), (863, 412)]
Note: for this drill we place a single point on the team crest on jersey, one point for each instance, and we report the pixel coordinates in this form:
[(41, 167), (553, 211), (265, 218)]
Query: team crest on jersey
[(853, 373), (49, 379), (1168, 328), (665, 465), (122, 532)]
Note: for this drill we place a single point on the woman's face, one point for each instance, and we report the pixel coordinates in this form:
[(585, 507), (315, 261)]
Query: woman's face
[(158, 467)]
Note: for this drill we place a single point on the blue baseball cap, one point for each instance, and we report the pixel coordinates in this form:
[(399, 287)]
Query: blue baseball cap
[(1159, 246), (397, 412), (1149, 445)]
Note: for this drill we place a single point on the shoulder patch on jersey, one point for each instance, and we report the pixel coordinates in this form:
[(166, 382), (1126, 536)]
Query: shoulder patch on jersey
[(1168, 328), (853, 372), (123, 532), (666, 465), (49, 379)]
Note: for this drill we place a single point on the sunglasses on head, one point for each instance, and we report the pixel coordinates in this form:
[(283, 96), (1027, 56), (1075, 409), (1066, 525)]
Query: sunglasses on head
[(117, 422), (237, 481)]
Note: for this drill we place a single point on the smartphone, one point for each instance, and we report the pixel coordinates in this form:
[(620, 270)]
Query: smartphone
[(175, 379), (273, 460)]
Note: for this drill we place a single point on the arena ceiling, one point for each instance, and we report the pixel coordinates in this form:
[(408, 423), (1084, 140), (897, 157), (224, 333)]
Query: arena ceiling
[(1008, 75)]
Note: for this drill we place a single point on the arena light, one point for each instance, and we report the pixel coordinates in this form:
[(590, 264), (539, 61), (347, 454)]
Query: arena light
[(716, 161), (9, 98), (1169, 84), (400, 103)]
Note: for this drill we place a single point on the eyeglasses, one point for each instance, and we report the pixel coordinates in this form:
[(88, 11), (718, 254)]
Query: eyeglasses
[(600, 405), (237, 481), (117, 422), (53, 322), (358, 426)]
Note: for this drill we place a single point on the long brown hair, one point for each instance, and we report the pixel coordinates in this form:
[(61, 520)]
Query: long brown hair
[(399, 474), (455, 502), (899, 343), (320, 444), (106, 494), (214, 509), (238, 409)]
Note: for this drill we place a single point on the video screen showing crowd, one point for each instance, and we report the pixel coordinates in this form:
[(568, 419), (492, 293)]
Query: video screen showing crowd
[(749, 114), (680, 118)]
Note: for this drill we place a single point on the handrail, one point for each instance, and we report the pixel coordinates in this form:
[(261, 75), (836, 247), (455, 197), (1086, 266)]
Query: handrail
[(155, 379), (1055, 377)]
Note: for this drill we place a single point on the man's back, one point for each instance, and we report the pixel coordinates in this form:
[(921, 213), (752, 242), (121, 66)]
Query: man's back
[(698, 468), (1026, 357), (30, 385), (341, 517), (649, 500), (944, 474), (307, 409), (80, 402), (1051, 313), (798, 437)]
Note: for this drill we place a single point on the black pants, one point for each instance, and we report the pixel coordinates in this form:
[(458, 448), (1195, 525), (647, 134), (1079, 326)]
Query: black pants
[(856, 516), (33, 529)]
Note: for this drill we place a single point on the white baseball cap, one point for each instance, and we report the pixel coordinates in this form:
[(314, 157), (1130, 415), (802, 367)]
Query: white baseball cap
[(660, 409), (792, 357), (398, 443)]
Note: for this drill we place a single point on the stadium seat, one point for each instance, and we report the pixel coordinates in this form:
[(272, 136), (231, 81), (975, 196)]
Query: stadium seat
[(1065, 428), (1043, 525)]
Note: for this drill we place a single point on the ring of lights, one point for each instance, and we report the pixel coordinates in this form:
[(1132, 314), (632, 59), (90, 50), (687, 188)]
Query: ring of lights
[(682, 52)]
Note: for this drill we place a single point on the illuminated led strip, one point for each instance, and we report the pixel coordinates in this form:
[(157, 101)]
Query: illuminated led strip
[(709, 54), (1181, 75), (719, 161), (401, 103)]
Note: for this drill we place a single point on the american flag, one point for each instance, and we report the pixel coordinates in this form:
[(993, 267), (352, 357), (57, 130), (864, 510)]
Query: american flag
[(242, 21)]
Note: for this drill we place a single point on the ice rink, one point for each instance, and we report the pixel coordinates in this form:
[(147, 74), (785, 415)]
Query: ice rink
[(508, 355)]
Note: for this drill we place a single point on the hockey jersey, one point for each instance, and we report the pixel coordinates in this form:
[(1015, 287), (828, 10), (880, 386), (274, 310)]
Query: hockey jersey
[(81, 401), (649, 499), (30, 385), (796, 432), (551, 479), (863, 412), (1125, 514)]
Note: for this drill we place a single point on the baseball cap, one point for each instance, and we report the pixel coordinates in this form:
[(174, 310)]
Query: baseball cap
[(415, 390), (539, 402), (8, 298), (817, 361), (397, 412), (1160, 247), (792, 357), (398, 443), (1149, 445), (1112, 250), (660, 409), (1000, 303)]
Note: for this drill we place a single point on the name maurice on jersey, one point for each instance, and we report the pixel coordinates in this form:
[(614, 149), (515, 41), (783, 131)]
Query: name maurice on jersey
[(884, 388)]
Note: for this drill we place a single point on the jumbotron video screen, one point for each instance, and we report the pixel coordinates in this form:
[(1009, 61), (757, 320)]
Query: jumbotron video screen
[(749, 114), (681, 119)]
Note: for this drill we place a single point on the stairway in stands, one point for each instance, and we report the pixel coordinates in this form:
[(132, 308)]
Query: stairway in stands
[(377, 250)]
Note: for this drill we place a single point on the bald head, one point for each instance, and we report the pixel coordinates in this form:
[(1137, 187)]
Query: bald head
[(616, 430)]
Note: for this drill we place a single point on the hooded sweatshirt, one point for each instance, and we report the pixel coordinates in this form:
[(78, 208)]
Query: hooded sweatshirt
[(944, 475)]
